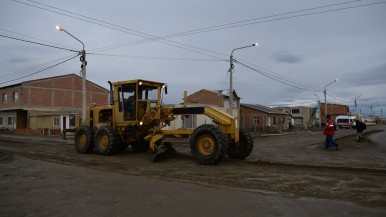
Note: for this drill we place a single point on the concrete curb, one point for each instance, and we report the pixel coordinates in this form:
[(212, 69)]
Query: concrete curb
[(35, 138)]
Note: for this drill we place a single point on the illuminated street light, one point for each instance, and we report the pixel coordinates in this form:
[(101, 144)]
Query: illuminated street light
[(83, 66), (325, 97), (355, 101), (231, 66)]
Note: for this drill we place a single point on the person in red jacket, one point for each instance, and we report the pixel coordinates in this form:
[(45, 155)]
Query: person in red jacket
[(329, 132)]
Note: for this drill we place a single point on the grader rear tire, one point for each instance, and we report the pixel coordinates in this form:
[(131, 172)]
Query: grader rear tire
[(208, 144), (105, 140), (84, 139), (243, 147)]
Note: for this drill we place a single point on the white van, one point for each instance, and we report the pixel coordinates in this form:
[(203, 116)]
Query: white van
[(345, 122)]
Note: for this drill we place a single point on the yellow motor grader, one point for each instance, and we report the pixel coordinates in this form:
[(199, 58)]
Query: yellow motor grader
[(136, 117)]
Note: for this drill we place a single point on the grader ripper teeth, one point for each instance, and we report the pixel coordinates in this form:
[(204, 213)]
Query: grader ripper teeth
[(136, 117)]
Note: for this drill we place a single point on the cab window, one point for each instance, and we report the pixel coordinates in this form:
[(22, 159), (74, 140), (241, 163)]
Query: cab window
[(127, 101), (148, 93)]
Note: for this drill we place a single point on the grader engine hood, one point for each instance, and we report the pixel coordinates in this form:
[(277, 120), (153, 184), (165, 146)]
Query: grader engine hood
[(228, 123)]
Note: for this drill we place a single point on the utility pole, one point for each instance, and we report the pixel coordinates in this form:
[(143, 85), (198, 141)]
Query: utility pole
[(320, 112), (84, 81), (231, 66), (371, 107)]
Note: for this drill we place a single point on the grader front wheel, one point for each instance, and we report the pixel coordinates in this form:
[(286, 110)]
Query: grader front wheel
[(243, 147), (208, 144)]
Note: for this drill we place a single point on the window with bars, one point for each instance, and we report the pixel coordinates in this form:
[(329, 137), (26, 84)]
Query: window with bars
[(56, 122)]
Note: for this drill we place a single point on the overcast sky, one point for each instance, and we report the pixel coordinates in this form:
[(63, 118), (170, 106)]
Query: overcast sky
[(303, 46)]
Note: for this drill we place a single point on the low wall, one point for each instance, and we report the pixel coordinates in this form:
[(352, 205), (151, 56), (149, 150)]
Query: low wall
[(36, 131)]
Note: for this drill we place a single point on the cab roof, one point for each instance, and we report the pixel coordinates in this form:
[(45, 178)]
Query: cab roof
[(145, 82)]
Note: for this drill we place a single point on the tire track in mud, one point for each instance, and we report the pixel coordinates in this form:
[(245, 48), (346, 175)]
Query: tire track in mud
[(364, 186)]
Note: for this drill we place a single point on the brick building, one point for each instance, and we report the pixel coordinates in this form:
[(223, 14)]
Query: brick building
[(219, 98), (262, 118), (333, 110), (53, 103), (252, 117)]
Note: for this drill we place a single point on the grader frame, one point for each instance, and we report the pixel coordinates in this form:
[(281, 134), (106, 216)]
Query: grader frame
[(137, 117)]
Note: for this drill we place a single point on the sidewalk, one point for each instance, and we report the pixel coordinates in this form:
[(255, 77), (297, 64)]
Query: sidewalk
[(36, 138)]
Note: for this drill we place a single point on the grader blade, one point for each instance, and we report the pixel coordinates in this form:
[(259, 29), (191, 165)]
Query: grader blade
[(164, 151)]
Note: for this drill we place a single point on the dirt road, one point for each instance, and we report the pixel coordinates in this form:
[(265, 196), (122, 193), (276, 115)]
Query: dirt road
[(293, 166)]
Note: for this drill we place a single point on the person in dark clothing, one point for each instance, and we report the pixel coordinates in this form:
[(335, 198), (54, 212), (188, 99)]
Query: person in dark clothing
[(329, 132), (360, 127)]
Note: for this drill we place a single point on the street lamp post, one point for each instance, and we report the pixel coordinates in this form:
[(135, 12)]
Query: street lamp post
[(355, 102), (231, 66), (371, 107), (325, 97), (83, 66)]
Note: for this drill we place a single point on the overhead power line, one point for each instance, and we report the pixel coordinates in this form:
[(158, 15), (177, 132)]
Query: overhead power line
[(276, 75), (148, 37), (278, 79), (26, 71), (27, 36), (266, 19), (253, 21), (37, 43), (154, 57), (39, 71), (339, 99)]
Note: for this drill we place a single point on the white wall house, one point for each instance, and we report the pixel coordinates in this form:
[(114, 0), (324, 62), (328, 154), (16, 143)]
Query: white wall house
[(8, 120)]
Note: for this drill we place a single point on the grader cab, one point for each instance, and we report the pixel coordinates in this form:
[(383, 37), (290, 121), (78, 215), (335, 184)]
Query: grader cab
[(136, 117)]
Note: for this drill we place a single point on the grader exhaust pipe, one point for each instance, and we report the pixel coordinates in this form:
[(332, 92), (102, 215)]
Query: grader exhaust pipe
[(111, 93)]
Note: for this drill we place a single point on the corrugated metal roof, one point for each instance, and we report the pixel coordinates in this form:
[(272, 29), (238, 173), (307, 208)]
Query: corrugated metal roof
[(225, 92), (264, 109)]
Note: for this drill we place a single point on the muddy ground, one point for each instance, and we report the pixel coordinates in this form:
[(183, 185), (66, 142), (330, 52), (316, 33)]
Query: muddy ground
[(294, 166)]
